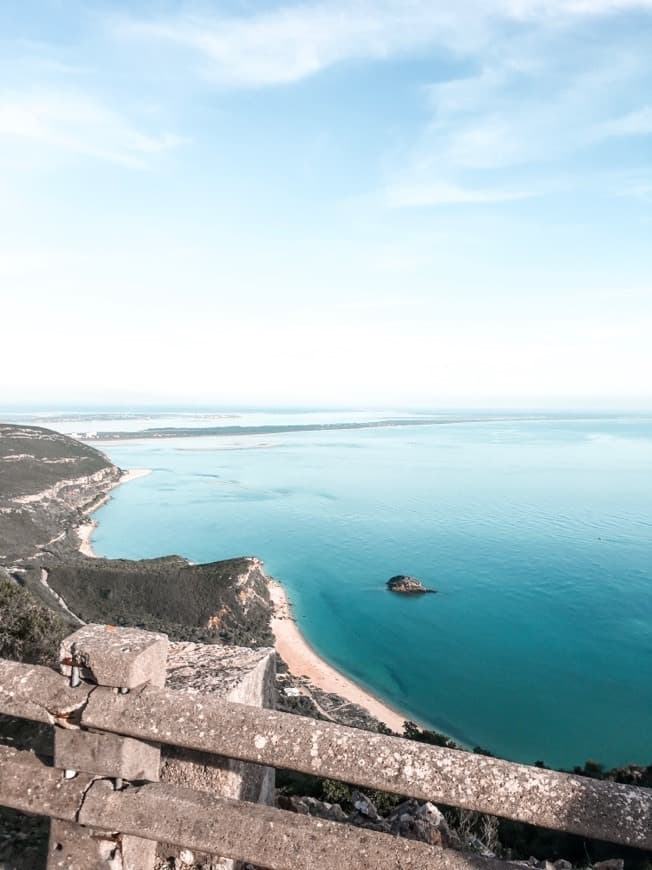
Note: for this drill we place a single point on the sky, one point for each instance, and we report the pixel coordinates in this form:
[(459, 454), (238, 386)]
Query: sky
[(326, 202)]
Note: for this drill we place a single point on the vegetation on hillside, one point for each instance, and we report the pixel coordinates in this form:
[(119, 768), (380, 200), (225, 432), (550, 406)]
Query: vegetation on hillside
[(170, 595), (29, 632)]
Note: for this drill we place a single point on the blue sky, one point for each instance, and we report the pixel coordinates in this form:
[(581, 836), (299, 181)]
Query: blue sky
[(384, 202)]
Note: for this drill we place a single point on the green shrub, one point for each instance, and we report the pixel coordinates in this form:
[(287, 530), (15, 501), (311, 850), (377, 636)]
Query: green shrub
[(434, 738), (336, 792), (29, 632)]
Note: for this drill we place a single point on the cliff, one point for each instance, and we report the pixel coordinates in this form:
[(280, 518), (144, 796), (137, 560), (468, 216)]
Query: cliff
[(48, 484)]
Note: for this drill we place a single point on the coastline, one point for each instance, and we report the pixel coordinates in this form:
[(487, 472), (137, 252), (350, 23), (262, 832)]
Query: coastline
[(300, 657), (303, 661), (85, 530)]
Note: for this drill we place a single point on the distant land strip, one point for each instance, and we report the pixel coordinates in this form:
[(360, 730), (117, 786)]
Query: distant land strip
[(194, 432)]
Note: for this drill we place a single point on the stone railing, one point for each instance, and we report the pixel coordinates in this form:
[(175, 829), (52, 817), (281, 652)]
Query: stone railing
[(122, 694)]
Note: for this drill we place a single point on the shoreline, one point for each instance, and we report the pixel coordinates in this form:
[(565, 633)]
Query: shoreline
[(303, 661), (85, 530)]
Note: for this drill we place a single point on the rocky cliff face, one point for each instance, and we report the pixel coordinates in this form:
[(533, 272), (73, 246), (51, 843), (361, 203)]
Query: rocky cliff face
[(48, 484), (47, 481)]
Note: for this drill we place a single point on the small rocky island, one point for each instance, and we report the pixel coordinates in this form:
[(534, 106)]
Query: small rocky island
[(408, 585)]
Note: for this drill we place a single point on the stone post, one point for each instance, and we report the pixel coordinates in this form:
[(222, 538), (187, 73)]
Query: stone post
[(118, 659), (232, 673)]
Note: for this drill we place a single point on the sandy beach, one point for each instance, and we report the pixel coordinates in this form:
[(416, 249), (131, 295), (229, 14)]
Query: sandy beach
[(302, 660), (85, 531)]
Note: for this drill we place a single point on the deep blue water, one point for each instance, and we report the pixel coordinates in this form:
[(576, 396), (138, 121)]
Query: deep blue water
[(538, 536)]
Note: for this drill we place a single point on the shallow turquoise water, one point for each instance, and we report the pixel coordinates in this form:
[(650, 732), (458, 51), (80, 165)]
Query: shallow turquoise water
[(537, 535)]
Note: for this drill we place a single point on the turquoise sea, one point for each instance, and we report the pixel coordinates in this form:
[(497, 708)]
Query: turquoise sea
[(537, 534)]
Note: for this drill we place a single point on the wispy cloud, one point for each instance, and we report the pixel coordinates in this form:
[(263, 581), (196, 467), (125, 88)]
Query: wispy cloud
[(290, 42), (537, 94), (81, 124), (637, 123), (446, 193), (539, 99)]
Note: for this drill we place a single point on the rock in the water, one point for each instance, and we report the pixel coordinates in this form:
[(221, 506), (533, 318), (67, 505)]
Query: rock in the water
[(407, 585)]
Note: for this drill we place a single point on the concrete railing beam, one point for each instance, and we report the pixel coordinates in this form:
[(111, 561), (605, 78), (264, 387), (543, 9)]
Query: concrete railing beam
[(579, 805), (30, 786), (206, 823), (38, 693)]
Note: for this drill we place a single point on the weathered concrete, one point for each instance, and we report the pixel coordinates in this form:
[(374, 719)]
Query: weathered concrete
[(603, 810), (106, 754), (262, 835), (111, 656), (73, 847), (230, 673), (38, 693), (187, 718), (207, 824), (137, 852), (78, 847), (122, 658), (30, 786)]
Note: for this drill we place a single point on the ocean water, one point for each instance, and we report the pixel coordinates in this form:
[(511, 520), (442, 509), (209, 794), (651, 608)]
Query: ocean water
[(537, 534)]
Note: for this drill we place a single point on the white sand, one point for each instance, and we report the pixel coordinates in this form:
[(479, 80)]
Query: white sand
[(85, 533), (303, 661)]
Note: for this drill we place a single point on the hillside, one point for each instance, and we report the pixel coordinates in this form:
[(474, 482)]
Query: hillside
[(228, 600), (48, 484), (47, 480)]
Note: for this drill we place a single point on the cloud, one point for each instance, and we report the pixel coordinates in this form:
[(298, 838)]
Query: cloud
[(521, 108), (446, 193), (541, 98), (537, 94), (637, 123), (80, 124), (289, 42)]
